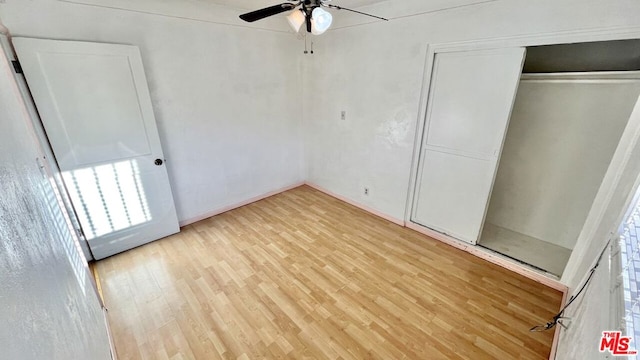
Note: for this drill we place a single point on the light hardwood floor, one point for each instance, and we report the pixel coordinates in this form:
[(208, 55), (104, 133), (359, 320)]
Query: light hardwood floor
[(304, 275), (547, 256)]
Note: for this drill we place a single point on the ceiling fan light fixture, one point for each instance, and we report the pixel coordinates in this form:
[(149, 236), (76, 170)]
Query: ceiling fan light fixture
[(320, 21), (307, 12), (296, 19)]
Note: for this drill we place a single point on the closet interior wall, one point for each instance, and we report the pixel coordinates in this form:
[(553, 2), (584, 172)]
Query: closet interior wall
[(562, 135)]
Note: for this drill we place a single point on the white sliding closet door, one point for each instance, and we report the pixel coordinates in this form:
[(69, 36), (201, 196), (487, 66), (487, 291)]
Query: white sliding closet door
[(468, 110), (94, 104)]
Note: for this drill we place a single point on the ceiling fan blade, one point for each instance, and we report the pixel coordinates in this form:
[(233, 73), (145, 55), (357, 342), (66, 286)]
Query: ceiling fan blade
[(266, 12), (355, 11)]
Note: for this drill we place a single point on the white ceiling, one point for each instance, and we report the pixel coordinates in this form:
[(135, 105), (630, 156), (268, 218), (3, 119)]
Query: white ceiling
[(259, 4)]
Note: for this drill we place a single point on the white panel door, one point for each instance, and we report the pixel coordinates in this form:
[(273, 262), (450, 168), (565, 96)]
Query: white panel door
[(95, 107), (468, 110)]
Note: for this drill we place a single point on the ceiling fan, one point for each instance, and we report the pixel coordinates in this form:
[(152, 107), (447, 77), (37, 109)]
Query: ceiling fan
[(307, 12)]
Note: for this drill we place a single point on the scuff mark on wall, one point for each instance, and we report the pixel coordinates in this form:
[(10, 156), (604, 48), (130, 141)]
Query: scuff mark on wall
[(394, 132)]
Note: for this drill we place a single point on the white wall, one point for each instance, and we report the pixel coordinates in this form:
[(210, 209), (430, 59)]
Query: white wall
[(375, 73), (620, 183), (226, 97), (48, 306), (587, 317), (561, 138)]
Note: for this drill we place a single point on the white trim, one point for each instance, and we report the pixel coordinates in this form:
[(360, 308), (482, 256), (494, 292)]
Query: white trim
[(529, 272), (211, 14), (580, 76), (492, 257), (356, 204), (365, 21), (419, 133), (552, 38), (556, 332), (616, 302), (223, 209), (114, 354), (575, 36)]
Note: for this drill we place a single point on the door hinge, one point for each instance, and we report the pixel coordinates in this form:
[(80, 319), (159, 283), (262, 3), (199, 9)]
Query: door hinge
[(17, 67)]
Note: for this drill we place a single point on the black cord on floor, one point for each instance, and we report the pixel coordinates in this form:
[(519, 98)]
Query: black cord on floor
[(554, 321)]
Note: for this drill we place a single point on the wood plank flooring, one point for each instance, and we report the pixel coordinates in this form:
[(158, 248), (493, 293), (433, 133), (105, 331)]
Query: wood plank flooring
[(547, 256), (303, 275)]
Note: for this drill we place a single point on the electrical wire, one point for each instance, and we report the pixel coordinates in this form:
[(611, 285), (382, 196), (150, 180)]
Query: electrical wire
[(556, 319)]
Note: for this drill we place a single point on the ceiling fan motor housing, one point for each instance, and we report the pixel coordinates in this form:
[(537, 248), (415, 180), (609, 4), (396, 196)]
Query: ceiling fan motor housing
[(317, 19), (309, 5)]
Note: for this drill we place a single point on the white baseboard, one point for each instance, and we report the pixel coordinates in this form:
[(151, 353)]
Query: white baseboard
[(356, 204), (556, 333), (114, 355), (472, 249), (237, 205), (491, 257)]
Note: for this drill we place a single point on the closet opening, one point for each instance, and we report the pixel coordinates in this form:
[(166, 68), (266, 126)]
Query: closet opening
[(571, 108)]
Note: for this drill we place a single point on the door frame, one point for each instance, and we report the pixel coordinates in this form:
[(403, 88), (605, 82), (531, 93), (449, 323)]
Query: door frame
[(609, 184)]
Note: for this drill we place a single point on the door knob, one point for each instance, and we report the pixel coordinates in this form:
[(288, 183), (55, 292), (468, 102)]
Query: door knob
[(158, 162)]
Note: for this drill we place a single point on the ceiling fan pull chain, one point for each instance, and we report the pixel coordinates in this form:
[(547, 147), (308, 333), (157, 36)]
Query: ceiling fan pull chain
[(305, 45)]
